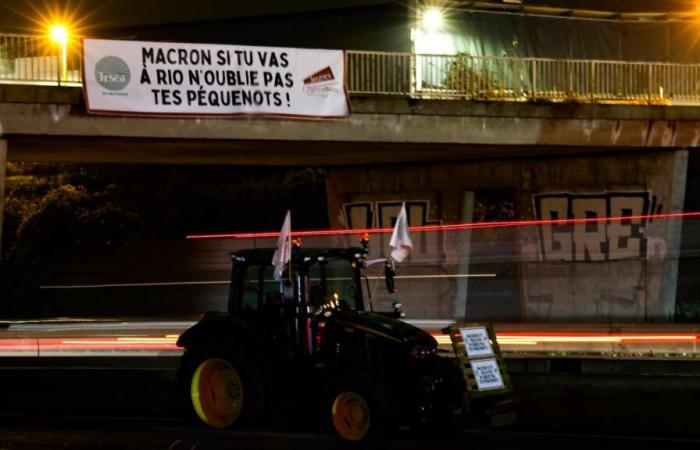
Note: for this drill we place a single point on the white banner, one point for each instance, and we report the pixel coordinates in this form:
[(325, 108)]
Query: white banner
[(144, 78), (476, 342)]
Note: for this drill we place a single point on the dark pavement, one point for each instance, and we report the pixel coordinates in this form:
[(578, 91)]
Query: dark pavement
[(132, 403), (137, 434)]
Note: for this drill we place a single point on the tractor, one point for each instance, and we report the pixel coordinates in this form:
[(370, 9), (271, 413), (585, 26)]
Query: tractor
[(310, 344)]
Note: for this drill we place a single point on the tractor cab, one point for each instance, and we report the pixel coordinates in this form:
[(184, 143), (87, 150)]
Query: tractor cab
[(316, 280)]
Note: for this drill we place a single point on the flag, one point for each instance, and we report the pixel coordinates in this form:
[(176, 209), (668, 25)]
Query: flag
[(283, 253), (400, 243)]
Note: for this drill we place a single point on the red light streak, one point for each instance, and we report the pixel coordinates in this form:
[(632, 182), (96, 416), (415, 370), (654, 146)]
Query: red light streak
[(453, 227), (41, 345), (561, 337)]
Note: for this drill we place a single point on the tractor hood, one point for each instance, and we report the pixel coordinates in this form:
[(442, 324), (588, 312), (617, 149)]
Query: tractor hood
[(387, 327)]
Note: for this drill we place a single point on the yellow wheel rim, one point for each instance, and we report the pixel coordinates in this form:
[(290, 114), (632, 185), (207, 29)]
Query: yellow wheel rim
[(351, 416), (217, 393)]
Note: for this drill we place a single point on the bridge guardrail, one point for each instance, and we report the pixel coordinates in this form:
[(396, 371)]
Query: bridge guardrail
[(26, 59), (507, 78)]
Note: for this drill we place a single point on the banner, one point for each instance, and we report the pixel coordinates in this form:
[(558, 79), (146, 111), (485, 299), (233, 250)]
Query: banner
[(171, 79)]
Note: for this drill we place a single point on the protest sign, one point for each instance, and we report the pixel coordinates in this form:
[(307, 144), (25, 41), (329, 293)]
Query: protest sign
[(487, 374), (476, 342), (171, 79)]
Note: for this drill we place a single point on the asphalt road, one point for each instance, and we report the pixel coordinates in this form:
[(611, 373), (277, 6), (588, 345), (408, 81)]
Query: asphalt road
[(136, 406), (163, 435)]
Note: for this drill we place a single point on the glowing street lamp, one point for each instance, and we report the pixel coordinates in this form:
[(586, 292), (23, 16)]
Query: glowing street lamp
[(432, 19), (59, 34)]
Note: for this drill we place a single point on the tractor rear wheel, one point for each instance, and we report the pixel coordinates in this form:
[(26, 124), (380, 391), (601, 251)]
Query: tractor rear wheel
[(221, 390)]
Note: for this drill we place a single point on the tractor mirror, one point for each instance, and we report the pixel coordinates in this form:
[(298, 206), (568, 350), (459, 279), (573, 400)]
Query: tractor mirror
[(389, 274)]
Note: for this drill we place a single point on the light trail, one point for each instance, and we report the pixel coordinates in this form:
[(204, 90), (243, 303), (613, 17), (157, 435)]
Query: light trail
[(453, 227), (144, 284), (226, 282), (536, 338), (159, 338)]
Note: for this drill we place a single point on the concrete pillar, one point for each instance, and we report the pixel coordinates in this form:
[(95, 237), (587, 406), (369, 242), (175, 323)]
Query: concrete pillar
[(675, 229), (3, 160), (460, 311)]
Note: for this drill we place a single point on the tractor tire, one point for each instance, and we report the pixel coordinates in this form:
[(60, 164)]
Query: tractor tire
[(221, 389), (359, 408)]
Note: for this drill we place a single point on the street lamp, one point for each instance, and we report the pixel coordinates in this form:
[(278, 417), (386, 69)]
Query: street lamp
[(59, 34), (432, 19)]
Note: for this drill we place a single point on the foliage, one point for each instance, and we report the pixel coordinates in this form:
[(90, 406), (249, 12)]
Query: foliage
[(53, 210), (469, 76)]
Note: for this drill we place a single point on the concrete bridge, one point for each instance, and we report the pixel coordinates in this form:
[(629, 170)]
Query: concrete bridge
[(552, 158)]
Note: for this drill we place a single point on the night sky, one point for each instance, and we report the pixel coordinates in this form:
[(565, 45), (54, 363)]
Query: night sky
[(96, 15)]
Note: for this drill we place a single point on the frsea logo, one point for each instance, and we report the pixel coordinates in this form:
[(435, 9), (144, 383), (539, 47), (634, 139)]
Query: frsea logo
[(112, 73), (325, 74), (322, 83)]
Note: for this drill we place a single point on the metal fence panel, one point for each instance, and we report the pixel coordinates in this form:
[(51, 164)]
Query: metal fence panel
[(28, 59), (518, 79)]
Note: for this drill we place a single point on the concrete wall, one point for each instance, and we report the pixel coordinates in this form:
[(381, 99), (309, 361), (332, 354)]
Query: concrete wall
[(587, 272)]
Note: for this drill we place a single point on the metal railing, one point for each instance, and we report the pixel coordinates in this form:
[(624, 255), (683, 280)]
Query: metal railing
[(28, 59), (522, 79)]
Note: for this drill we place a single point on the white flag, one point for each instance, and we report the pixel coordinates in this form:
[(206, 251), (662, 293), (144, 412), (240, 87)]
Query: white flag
[(401, 244), (283, 253)]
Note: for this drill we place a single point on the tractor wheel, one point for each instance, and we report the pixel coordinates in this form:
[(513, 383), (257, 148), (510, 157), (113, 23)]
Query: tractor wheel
[(351, 416), (221, 390), (358, 409)]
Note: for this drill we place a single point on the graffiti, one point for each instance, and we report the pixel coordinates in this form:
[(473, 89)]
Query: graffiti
[(359, 215), (382, 214), (594, 241)]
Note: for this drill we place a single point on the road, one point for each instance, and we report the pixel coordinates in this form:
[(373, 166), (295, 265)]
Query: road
[(163, 435), (120, 403)]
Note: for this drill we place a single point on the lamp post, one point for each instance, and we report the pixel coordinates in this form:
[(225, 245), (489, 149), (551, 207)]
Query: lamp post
[(59, 34)]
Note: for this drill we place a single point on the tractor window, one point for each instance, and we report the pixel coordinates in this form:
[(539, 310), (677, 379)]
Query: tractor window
[(259, 287), (250, 298), (271, 290), (330, 277)]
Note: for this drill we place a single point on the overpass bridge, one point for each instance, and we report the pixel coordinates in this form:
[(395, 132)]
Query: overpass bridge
[(410, 107), (555, 138)]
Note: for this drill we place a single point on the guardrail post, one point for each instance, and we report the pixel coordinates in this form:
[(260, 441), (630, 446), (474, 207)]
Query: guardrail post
[(650, 82), (58, 75), (592, 83), (412, 82), (534, 78)]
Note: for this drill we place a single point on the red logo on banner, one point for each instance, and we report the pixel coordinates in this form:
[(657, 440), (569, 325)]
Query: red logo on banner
[(323, 75)]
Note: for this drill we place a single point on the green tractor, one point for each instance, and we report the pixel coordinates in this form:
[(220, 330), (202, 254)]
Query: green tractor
[(308, 344)]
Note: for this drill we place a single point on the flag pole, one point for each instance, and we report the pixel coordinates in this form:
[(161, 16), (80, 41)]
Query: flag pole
[(289, 269)]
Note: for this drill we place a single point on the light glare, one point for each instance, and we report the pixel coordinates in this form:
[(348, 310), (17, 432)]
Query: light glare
[(59, 33), (432, 19)]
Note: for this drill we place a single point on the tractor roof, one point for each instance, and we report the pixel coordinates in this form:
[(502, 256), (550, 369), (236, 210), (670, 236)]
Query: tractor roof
[(264, 255)]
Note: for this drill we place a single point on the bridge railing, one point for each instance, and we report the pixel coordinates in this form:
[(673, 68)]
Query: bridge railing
[(522, 79), (28, 59)]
